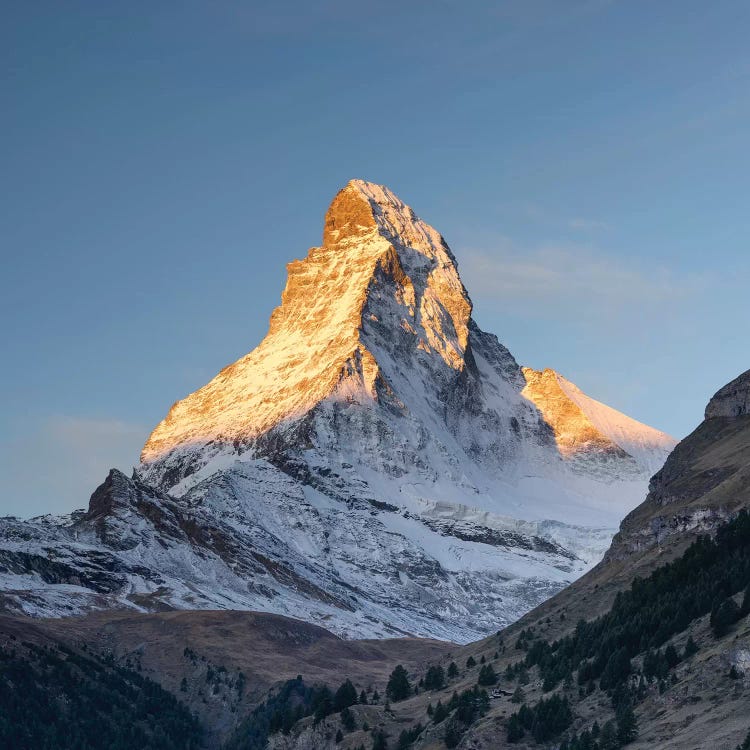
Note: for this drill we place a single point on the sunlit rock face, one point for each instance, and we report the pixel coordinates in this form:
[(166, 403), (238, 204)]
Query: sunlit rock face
[(381, 272), (374, 326), (590, 434), (378, 465)]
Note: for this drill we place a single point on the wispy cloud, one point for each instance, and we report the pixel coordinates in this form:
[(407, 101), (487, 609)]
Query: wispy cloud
[(55, 467), (572, 279), (538, 215), (587, 224)]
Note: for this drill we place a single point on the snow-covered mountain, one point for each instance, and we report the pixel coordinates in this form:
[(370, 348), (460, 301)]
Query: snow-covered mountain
[(378, 465)]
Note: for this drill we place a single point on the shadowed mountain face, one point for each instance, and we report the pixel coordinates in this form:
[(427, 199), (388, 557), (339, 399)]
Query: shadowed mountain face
[(378, 465)]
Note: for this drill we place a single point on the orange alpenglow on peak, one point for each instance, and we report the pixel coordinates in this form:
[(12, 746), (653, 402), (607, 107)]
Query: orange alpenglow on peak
[(350, 214), (317, 345), (582, 425)]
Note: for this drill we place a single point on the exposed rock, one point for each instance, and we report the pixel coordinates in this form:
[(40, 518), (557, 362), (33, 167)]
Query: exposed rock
[(702, 483), (739, 658), (733, 400)]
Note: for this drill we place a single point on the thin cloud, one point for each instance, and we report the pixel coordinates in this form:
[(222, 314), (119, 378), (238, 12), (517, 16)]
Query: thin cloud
[(539, 215), (587, 224), (572, 279)]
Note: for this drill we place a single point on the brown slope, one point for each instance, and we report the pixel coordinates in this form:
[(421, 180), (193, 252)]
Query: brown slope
[(268, 649)]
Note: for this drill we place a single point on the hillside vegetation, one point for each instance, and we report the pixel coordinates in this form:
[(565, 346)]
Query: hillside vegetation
[(54, 698)]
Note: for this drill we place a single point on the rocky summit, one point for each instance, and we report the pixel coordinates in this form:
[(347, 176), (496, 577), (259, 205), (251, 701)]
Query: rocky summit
[(378, 465)]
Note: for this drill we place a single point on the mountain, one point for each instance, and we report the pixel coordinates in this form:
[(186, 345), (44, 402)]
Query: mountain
[(378, 465), (586, 429), (632, 654), (701, 699)]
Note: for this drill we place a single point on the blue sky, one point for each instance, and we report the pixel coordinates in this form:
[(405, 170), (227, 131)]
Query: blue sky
[(586, 160)]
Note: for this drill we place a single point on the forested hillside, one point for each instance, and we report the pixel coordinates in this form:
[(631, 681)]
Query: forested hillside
[(55, 698)]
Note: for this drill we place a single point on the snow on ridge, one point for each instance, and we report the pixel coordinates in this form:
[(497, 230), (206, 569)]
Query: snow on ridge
[(649, 446)]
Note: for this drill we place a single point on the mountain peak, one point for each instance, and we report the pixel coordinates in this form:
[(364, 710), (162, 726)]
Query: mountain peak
[(383, 284), (350, 214), (372, 371)]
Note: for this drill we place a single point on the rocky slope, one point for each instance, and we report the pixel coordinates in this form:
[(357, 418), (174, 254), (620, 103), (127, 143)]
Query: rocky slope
[(378, 465), (701, 701), (703, 482)]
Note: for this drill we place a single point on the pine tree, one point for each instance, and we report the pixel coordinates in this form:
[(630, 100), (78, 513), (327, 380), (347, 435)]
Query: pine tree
[(487, 675), (608, 737), (347, 719), (452, 670), (515, 729), (724, 616), (324, 705), (435, 678), (471, 662), (617, 669), (690, 648), (627, 725), (345, 696), (671, 656), (453, 732), (518, 695), (398, 687), (440, 713)]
